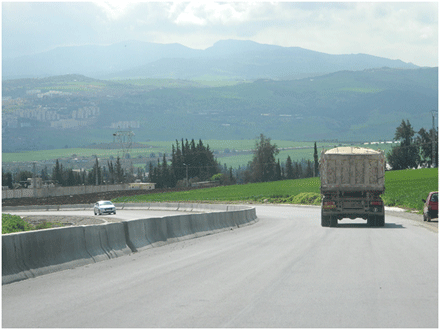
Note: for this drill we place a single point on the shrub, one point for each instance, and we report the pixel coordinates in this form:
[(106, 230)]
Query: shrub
[(309, 198), (13, 224)]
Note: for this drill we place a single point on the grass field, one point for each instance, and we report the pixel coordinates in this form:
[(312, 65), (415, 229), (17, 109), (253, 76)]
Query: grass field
[(247, 192), (165, 147), (41, 155), (404, 188), (407, 188)]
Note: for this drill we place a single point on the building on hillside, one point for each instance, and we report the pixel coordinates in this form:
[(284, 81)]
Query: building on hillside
[(142, 185)]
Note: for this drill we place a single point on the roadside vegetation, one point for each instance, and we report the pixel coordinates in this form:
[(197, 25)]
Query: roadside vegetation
[(14, 223), (405, 189)]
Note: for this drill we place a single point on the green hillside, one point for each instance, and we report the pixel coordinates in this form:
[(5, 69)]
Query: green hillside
[(347, 106)]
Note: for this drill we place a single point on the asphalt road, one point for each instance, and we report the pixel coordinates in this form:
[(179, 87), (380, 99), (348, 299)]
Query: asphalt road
[(284, 271)]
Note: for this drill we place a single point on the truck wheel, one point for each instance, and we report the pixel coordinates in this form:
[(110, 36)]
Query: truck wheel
[(371, 221), (380, 220), (333, 221), (325, 221)]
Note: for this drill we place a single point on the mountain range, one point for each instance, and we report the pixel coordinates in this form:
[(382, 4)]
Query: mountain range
[(226, 59), (78, 96)]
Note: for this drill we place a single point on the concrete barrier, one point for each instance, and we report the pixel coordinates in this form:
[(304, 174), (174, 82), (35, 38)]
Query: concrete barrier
[(76, 207), (13, 263), (117, 239), (34, 253), (47, 251), (106, 241), (164, 206), (199, 224), (136, 234), (29, 254), (186, 207), (156, 229), (132, 206)]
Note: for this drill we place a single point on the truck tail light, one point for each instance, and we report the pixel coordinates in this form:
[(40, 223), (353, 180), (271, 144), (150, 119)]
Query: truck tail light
[(329, 205), (376, 203)]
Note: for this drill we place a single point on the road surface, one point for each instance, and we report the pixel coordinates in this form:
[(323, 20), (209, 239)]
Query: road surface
[(283, 271)]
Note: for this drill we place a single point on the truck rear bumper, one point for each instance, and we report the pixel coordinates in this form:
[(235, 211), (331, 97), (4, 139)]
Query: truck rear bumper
[(352, 214)]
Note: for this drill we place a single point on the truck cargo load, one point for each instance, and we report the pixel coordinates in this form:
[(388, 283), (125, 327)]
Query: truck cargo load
[(352, 180)]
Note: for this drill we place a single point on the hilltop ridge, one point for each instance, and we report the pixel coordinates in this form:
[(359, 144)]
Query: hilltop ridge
[(226, 59)]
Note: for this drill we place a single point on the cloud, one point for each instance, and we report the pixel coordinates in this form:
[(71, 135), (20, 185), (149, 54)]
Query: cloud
[(408, 31), (213, 13), (114, 9)]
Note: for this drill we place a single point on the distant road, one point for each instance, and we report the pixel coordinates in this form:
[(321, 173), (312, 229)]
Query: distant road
[(283, 271), (120, 215)]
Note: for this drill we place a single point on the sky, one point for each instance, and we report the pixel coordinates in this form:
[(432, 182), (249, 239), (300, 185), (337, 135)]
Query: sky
[(396, 30)]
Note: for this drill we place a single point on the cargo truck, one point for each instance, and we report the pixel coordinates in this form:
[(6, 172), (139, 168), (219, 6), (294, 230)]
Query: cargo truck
[(352, 181)]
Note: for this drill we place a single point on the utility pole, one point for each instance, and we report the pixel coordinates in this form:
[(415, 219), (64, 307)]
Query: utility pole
[(96, 171), (187, 183), (34, 180), (434, 156)]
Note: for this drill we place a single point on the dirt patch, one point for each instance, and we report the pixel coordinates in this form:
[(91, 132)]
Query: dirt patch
[(63, 220)]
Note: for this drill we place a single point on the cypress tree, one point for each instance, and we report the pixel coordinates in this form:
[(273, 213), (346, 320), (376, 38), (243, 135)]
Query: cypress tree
[(289, 168), (119, 171), (316, 160), (278, 171)]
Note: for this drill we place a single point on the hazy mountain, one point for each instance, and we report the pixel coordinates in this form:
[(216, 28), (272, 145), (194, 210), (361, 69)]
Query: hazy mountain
[(74, 110), (227, 59)]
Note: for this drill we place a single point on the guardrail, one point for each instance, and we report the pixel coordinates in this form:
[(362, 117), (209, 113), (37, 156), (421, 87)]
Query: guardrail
[(30, 254)]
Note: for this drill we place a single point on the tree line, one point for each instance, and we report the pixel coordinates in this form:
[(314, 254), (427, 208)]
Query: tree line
[(414, 150), (65, 177), (264, 166), (191, 162)]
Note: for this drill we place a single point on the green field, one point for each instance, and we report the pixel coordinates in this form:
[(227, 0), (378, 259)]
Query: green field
[(246, 192), (407, 188), (404, 189), (41, 155), (219, 146)]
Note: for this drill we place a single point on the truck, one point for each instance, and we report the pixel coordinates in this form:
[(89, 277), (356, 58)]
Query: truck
[(352, 182)]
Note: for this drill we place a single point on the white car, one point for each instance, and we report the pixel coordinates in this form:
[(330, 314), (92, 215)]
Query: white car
[(104, 207)]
